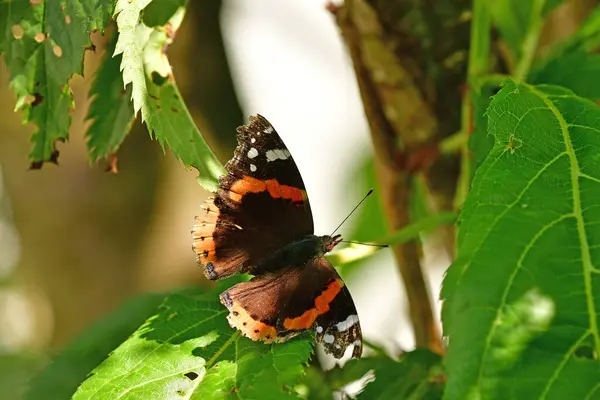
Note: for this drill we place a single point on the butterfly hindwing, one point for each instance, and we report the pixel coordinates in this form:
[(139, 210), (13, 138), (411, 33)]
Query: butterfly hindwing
[(276, 306), (260, 206)]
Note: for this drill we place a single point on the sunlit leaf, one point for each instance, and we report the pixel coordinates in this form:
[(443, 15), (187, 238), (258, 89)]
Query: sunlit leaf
[(43, 44), (188, 350), (146, 68), (522, 298)]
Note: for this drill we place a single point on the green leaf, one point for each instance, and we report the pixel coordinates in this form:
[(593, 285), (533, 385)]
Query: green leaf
[(188, 350), (519, 23), (572, 63), (69, 369), (111, 109), (417, 375), (480, 141), (521, 300), (323, 385), (577, 71), (16, 371), (146, 68), (43, 46)]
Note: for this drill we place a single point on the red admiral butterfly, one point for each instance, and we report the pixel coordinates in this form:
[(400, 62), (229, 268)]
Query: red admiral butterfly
[(259, 222)]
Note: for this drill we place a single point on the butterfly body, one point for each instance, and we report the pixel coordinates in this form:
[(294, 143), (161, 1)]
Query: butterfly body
[(260, 223)]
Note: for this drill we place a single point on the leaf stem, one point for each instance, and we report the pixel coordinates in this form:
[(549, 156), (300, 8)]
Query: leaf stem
[(362, 32), (479, 54), (529, 47)]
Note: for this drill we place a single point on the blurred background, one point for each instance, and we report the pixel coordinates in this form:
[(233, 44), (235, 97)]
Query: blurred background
[(76, 241)]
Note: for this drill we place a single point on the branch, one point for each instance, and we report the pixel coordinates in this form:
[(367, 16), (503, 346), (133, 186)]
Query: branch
[(396, 112)]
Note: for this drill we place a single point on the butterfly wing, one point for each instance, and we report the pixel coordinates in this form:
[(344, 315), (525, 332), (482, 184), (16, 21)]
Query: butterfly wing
[(277, 306), (260, 206)]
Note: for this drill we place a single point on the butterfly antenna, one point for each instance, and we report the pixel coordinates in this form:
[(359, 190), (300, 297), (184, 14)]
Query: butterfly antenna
[(351, 212), (365, 244)]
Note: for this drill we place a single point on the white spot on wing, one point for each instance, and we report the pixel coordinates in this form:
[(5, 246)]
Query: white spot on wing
[(278, 154), (347, 324), (328, 339), (252, 153), (319, 329), (269, 129), (252, 167), (252, 140)]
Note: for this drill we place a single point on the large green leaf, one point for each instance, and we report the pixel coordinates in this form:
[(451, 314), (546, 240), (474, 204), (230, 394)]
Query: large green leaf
[(72, 365), (43, 44), (146, 68), (111, 109), (522, 298), (188, 350)]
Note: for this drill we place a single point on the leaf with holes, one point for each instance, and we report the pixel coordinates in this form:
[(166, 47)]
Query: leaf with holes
[(43, 43), (188, 350), (522, 298), (145, 66), (111, 110)]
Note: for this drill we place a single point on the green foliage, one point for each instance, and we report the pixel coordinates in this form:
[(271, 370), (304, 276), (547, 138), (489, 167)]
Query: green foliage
[(70, 368), (187, 349), (111, 109), (573, 64), (417, 375), (518, 21), (533, 311), (154, 92), (43, 44), (521, 298)]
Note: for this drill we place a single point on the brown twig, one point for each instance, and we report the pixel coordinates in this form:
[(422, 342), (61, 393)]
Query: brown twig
[(396, 112)]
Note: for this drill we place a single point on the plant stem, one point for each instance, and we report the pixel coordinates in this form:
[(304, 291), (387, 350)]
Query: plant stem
[(529, 47), (393, 118), (479, 54)]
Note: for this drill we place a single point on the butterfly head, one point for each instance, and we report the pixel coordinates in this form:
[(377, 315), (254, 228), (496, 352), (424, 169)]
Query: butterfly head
[(329, 242)]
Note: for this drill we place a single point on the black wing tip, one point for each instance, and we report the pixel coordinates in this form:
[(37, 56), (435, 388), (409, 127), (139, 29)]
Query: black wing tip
[(256, 123)]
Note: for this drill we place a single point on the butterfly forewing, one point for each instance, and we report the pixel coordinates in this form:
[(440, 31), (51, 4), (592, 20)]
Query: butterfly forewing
[(261, 205)]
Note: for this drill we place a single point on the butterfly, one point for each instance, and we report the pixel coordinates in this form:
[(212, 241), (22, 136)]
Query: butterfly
[(259, 222)]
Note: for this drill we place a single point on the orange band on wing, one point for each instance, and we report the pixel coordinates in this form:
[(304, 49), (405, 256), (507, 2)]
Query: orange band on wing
[(307, 319), (249, 184)]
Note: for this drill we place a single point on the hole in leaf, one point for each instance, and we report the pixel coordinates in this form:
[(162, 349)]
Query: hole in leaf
[(158, 78), (17, 31), (191, 375), (67, 19), (36, 2), (38, 99), (585, 351), (57, 51), (39, 37)]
